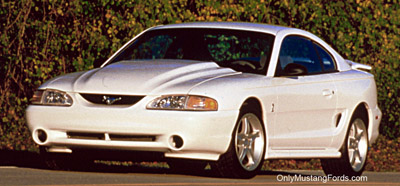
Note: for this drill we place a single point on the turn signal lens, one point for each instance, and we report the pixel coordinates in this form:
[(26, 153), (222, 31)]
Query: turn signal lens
[(201, 103), (37, 97)]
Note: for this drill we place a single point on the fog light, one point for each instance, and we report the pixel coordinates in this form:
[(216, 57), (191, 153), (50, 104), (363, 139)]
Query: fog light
[(176, 141), (41, 136)]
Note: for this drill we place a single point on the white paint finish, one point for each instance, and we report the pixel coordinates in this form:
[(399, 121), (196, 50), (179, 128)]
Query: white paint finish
[(301, 153), (299, 114), (355, 87), (303, 112), (198, 129), (141, 77)]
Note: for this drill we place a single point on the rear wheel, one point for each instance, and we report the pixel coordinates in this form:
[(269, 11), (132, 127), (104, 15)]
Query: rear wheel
[(354, 151), (245, 155)]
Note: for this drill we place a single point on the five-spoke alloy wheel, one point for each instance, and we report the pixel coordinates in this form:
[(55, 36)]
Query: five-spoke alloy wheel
[(354, 151), (357, 144), (249, 142), (246, 153)]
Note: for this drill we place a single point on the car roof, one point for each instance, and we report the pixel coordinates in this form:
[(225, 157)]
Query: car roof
[(271, 29)]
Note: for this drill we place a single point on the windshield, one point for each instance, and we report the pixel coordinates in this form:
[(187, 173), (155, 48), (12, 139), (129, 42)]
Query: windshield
[(243, 51)]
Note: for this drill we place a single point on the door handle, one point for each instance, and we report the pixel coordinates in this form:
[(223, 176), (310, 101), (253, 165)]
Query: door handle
[(327, 92)]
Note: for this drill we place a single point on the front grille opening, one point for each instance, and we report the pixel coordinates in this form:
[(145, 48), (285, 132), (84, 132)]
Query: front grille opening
[(86, 136), (120, 137), (108, 99)]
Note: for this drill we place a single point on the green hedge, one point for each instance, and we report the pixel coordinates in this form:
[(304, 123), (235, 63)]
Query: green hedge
[(43, 39)]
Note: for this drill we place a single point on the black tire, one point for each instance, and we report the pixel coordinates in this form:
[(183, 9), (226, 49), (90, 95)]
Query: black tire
[(245, 155), (186, 166), (355, 144)]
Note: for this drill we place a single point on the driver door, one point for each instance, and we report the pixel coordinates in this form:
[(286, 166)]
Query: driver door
[(306, 104)]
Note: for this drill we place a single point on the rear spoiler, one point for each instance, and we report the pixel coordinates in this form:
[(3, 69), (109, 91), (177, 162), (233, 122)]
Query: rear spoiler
[(358, 66)]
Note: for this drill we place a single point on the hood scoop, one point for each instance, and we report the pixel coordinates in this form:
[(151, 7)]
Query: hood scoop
[(143, 77)]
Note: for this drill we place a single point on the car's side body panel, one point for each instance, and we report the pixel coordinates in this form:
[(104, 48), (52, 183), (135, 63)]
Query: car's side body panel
[(303, 113), (356, 88)]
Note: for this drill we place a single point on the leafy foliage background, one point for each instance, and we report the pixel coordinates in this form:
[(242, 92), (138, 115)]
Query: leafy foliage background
[(43, 39)]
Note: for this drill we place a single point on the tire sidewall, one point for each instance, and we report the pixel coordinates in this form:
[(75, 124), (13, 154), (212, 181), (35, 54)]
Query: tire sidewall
[(348, 169), (243, 171)]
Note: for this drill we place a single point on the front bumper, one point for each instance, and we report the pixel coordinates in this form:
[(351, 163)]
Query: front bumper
[(203, 135)]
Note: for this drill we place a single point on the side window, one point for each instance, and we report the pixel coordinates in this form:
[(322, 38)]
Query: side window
[(326, 58), (242, 52), (300, 51)]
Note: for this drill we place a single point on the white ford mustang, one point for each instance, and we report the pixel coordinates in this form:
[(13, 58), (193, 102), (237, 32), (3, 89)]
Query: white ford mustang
[(230, 94)]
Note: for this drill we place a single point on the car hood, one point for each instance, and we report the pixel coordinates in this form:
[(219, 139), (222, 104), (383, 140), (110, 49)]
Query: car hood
[(142, 77)]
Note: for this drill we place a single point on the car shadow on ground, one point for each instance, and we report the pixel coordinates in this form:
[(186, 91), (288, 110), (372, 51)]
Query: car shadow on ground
[(27, 159), (21, 159)]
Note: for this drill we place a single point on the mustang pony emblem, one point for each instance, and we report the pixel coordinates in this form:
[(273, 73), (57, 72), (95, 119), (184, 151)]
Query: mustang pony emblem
[(110, 100)]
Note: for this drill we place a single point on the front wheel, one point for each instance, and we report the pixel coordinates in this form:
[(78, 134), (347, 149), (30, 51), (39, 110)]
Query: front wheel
[(245, 155), (354, 151)]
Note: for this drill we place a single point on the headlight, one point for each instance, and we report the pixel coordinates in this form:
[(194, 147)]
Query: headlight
[(51, 97), (183, 102)]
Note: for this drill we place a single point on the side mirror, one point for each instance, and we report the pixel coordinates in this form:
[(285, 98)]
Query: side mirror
[(293, 69)]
